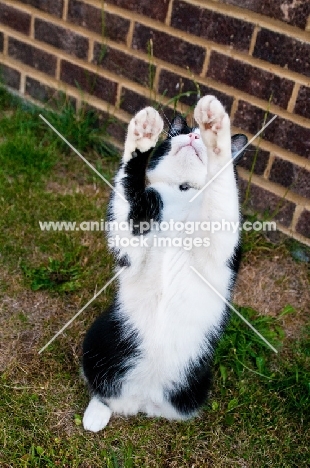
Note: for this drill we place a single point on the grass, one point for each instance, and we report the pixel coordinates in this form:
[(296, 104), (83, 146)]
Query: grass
[(258, 411)]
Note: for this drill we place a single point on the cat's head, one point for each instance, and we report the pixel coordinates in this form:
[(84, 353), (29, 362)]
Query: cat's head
[(181, 160)]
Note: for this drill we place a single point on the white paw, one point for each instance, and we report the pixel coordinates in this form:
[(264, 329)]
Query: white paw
[(143, 131), (214, 123), (96, 416), (210, 113)]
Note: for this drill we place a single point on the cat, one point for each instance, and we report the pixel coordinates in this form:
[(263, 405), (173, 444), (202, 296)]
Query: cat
[(152, 350)]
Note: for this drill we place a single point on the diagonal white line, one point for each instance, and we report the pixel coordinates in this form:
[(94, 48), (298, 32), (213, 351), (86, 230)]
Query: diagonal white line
[(82, 157), (235, 310), (232, 159), (80, 311)]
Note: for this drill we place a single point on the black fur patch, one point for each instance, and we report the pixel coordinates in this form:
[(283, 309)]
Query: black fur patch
[(108, 355), (238, 142), (235, 260), (184, 187), (159, 153), (179, 126), (124, 261), (190, 397), (145, 203), (110, 215)]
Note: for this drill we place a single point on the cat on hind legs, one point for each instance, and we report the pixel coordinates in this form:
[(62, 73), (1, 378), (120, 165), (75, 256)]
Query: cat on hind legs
[(152, 350)]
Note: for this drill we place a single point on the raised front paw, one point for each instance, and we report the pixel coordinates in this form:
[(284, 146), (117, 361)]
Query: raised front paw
[(143, 131), (214, 123)]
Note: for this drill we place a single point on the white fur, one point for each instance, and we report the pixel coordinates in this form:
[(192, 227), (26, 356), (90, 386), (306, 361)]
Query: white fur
[(96, 416), (161, 296)]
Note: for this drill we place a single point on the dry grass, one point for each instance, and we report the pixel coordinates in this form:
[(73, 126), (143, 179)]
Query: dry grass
[(269, 283)]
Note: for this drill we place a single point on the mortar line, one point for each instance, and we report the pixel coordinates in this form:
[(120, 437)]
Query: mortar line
[(31, 32), (5, 44), (130, 33), (65, 10), (206, 62), (118, 97), (90, 54), (293, 98), (298, 210), (169, 13), (253, 39), (234, 108), (269, 166), (22, 86)]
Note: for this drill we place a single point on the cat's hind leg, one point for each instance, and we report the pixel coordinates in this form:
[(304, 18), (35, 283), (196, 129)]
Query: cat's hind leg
[(96, 416)]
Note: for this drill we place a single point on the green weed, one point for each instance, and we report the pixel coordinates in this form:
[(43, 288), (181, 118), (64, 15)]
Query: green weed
[(241, 348), (57, 275), (80, 128)]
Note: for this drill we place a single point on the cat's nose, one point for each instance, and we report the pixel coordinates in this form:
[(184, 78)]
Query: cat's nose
[(193, 136)]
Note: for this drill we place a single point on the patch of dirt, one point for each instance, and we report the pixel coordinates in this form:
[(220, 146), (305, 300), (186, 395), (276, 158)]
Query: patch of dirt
[(26, 317), (269, 283), (92, 190), (22, 321)]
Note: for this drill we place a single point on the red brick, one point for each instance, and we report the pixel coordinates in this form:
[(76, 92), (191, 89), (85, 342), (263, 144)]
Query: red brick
[(122, 64), (303, 224), (15, 19), (46, 94), (169, 48), (295, 13), (254, 159), (32, 56), (172, 85), (302, 106), (281, 132), (267, 203), (88, 81), (54, 7), (9, 76), (114, 127), (213, 26), (283, 50), (132, 102), (156, 10), (282, 172), (249, 117), (250, 79), (287, 174), (96, 19), (62, 38)]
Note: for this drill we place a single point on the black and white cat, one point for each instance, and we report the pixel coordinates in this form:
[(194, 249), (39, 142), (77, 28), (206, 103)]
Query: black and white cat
[(152, 351)]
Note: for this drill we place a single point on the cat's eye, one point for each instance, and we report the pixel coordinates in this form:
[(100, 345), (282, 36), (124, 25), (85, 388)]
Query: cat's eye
[(184, 187)]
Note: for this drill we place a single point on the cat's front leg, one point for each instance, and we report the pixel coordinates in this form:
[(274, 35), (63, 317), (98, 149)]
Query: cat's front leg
[(220, 203), (144, 202), (143, 132), (214, 124)]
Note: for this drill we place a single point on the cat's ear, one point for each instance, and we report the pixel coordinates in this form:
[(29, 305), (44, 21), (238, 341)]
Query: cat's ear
[(177, 125), (238, 142)]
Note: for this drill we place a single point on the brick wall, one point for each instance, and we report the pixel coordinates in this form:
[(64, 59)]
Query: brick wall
[(246, 52)]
